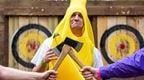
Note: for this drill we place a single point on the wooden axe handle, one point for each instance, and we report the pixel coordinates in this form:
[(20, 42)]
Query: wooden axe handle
[(74, 57), (63, 53)]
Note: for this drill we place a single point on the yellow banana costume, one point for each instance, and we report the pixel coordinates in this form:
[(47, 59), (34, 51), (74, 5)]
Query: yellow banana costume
[(68, 69)]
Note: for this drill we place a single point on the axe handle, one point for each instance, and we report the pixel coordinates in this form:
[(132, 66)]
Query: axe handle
[(63, 53), (74, 57)]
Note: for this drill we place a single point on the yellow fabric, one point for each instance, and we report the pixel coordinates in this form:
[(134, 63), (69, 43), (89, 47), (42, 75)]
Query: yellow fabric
[(68, 69)]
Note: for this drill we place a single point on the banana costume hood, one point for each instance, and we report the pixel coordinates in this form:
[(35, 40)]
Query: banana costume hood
[(68, 69)]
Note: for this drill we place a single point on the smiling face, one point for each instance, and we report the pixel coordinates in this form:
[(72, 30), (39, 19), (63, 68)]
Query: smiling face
[(76, 21)]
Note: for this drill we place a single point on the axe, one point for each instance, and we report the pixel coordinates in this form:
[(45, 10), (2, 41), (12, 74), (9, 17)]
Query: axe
[(66, 47), (73, 43)]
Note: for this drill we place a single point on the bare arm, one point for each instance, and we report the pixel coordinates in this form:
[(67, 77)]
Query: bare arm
[(7, 73), (50, 55), (39, 68)]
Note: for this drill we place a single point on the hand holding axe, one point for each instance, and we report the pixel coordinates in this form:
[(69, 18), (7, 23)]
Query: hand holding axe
[(66, 48)]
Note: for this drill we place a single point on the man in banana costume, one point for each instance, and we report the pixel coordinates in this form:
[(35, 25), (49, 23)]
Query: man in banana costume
[(75, 25)]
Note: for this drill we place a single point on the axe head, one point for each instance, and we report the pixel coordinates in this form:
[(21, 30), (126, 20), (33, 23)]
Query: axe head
[(73, 43)]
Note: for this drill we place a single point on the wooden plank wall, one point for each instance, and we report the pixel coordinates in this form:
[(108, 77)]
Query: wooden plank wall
[(3, 41)]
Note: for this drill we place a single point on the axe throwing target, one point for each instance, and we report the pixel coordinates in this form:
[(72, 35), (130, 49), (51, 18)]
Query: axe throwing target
[(26, 41), (120, 41)]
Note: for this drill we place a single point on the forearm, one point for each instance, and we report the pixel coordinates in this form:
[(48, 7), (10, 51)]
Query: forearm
[(119, 71), (13, 74), (128, 67), (40, 68), (97, 58)]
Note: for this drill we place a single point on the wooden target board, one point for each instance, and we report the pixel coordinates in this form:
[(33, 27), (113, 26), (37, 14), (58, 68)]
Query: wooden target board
[(26, 41), (120, 41)]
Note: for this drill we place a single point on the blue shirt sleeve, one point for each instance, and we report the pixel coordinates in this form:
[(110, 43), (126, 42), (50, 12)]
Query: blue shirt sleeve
[(131, 66)]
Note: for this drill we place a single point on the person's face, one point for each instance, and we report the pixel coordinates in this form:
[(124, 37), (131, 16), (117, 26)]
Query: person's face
[(76, 21)]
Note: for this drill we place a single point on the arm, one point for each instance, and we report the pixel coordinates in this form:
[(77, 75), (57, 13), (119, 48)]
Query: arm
[(43, 56), (88, 71), (50, 55), (7, 73), (97, 58), (128, 67), (39, 68), (38, 57)]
